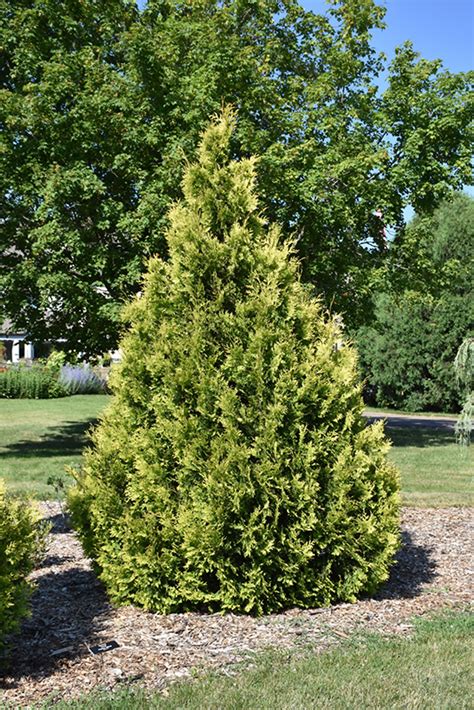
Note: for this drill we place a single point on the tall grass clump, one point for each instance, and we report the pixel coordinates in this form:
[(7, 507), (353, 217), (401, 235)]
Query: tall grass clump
[(233, 469), (30, 382)]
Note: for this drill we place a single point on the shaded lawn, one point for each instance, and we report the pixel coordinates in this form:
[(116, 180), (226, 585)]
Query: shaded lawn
[(431, 670), (388, 410), (435, 470), (38, 438)]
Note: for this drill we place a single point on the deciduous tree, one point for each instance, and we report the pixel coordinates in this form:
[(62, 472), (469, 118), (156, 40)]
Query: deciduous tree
[(424, 311), (101, 104)]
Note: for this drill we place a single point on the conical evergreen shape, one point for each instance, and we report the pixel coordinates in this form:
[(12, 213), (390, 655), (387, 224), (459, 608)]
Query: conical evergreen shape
[(233, 470)]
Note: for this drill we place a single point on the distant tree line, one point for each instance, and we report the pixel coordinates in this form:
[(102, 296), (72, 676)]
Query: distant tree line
[(424, 309)]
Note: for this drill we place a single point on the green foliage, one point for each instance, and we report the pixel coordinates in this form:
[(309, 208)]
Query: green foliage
[(435, 253), (48, 379), (464, 365), (55, 361), (434, 471), (233, 469), (464, 369), (81, 379), (35, 382), (21, 540), (423, 313), (101, 104), (464, 425), (407, 355)]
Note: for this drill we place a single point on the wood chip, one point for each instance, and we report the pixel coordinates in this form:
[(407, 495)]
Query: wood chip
[(71, 613)]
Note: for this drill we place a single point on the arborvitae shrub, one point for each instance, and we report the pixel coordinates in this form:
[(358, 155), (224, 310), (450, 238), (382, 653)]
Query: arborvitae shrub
[(233, 469), (21, 539)]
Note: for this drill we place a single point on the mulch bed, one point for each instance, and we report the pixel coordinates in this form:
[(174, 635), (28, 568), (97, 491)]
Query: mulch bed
[(55, 654)]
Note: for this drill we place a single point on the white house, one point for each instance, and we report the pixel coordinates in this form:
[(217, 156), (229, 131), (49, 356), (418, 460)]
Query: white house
[(17, 344)]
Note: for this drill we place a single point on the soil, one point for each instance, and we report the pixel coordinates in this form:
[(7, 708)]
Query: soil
[(55, 654)]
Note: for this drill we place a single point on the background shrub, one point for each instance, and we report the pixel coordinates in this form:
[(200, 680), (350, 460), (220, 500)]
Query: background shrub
[(80, 379), (55, 360), (234, 470), (35, 382), (464, 368), (49, 379), (21, 540), (423, 311), (408, 354)]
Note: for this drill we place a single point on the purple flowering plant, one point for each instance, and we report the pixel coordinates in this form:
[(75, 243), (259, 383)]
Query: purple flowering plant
[(81, 379)]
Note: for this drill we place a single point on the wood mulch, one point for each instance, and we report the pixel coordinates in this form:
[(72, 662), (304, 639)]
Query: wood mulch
[(53, 655)]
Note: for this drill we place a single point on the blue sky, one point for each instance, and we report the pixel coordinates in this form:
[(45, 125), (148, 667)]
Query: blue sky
[(439, 29)]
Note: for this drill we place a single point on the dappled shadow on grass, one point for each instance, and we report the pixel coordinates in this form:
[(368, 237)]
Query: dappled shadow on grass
[(420, 437), (413, 569), (66, 439)]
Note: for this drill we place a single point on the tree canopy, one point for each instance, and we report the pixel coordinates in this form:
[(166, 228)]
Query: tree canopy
[(436, 251), (424, 310), (101, 104)]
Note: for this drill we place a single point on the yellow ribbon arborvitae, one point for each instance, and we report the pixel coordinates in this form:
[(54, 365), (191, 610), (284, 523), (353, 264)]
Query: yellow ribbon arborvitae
[(233, 469)]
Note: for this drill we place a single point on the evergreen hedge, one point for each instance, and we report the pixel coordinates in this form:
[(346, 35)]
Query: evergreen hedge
[(233, 469), (407, 355)]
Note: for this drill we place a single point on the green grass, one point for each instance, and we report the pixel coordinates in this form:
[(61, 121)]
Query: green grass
[(387, 410), (436, 472), (39, 437), (431, 670)]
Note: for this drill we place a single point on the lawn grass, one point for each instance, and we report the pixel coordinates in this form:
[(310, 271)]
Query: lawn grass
[(388, 410), (435, 470), (431, 670), (39, 437)]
